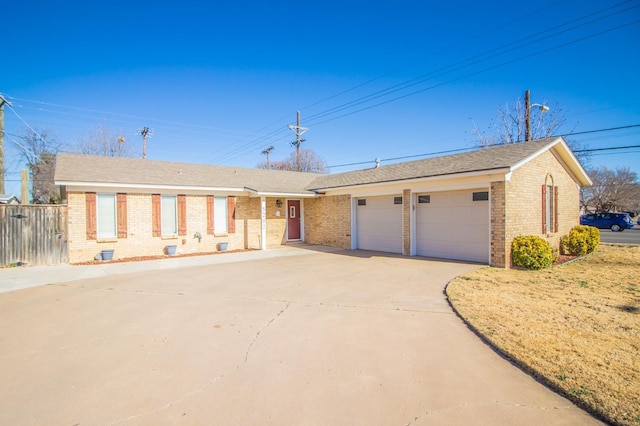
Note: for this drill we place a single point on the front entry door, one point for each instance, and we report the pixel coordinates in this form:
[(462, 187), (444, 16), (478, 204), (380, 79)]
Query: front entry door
[(293, 219)]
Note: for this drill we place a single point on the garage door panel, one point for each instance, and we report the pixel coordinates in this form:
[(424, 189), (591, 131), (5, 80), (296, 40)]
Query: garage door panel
[(379, 225), (453, 226)]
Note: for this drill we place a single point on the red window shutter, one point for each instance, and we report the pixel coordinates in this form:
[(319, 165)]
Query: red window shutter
[(210, 214), (156, 208), (92, 230), (122, 215), (231, 209), (182, 215), (544, 209), (555, 209)]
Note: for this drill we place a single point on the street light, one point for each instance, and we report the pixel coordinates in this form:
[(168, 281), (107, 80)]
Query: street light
[(527, 114)]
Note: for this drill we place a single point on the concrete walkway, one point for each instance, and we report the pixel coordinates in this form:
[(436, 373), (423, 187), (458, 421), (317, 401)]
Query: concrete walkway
[(20, 277), (292, 336)]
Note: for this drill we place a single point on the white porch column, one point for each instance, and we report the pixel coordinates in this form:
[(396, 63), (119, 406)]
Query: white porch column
[(263, 223)]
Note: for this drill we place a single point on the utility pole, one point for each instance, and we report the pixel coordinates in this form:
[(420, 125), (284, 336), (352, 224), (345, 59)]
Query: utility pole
[(2, 102), (527, 116), (299, 131), (267, 151), (145, 132)]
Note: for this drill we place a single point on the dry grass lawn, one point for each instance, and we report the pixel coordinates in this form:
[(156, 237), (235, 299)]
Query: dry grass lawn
[(575, 326)]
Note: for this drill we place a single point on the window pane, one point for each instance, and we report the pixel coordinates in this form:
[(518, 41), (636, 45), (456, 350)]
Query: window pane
[(169, 215), (106, 215), (220, 215), (481, 196)]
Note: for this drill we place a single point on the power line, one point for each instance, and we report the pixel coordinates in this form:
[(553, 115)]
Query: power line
[(518, 44), (451, 151), (468, 62)]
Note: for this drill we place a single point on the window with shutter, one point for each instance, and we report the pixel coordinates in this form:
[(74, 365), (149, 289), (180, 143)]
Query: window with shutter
[(122, 215), (182, 215), (90, 198), (210, 218), (231, 209), (156, 215)]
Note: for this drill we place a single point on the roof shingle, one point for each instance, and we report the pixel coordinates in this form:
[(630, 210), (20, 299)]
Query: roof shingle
[(486, 159), (84, 169)]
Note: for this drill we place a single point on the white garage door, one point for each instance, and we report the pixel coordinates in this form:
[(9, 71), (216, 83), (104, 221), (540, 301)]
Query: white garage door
[(379, 224), (451, 225)]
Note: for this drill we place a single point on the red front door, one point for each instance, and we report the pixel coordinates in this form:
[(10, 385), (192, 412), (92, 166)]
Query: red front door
[(293, 219)]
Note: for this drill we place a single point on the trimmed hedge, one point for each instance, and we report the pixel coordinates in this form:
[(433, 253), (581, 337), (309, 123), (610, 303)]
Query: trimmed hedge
[(581, 240), (532, 252)]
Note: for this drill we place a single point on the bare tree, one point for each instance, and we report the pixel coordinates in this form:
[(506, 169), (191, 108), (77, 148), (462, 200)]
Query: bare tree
[(310, 162), (612, 190), (101, 141), (38, 148), (510, 125)]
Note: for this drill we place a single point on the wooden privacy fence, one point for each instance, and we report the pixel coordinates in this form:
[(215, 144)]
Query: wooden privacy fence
[(33, 234)]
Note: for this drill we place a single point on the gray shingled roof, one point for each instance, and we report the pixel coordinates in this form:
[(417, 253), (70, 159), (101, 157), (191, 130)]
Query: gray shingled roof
[(85, 169), (81, 169), (499, 157)]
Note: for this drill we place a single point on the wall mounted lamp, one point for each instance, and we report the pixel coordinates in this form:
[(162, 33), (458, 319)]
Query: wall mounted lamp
[(279, 203)]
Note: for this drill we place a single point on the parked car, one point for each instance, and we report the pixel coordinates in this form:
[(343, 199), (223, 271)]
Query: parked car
[(607, 220)]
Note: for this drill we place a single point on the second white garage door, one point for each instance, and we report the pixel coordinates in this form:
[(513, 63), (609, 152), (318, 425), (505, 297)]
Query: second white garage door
[(453, 225), (379, 224)]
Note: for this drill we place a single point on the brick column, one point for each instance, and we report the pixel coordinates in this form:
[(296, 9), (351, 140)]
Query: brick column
[(499, 252)]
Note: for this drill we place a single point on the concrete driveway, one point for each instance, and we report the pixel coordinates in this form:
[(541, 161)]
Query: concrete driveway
[(319, 338)]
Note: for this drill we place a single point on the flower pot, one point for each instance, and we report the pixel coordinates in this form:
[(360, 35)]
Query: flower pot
[(223, 246), (170, 250), (106, 254)]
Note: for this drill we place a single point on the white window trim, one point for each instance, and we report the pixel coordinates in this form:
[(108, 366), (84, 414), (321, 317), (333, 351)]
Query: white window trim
[(220, 219), (99, 213), (163, 231)]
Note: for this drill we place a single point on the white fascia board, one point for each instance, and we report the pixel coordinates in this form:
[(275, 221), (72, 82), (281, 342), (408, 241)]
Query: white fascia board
[(257, 193), (491, 175), (91, 186), (536, 154), (562, 150)]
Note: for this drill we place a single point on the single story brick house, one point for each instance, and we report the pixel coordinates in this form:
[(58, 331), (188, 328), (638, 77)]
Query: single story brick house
[(466, 206)]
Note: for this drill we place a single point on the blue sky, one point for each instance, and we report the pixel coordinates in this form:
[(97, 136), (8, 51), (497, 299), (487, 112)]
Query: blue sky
[(218, 82)]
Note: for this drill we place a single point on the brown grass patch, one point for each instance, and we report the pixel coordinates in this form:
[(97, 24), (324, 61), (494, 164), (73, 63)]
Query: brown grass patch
[(575, 326)]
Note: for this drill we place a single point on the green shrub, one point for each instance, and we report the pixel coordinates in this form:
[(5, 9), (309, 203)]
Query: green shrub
[(581, 240), (531, 252)]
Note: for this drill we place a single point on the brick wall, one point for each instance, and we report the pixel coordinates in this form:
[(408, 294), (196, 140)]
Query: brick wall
[(327, 221), (140, 242), (524, 201)]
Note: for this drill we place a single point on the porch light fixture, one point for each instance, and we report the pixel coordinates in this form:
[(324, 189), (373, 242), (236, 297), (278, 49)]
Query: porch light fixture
[(279, 203)]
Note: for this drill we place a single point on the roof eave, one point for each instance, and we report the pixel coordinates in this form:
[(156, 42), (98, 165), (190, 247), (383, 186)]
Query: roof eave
[(500, 170), (147, 186), (559, 145), (294, 194)]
